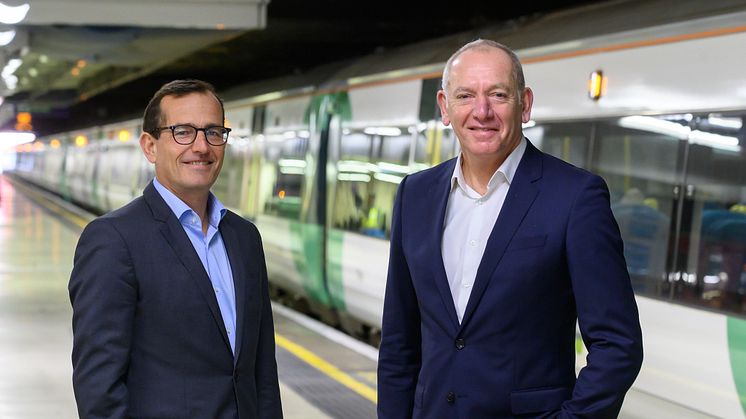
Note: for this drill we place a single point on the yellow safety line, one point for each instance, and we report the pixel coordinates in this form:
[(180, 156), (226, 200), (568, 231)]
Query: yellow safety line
[(79, 221), (327, 368), (50, 205)]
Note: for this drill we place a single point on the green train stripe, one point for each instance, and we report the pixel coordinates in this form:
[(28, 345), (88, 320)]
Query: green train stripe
[(308, 259), (737, 346), (334, 271)]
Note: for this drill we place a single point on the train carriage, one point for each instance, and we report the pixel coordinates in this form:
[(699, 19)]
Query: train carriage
[(649, 96)]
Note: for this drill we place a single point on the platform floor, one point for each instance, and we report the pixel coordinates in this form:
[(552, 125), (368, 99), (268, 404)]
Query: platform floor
[(323, 373)]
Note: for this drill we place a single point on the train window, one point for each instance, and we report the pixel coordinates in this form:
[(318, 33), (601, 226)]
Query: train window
[(567, 141), (712, 248), (372, 162), (435, 144), (258, 119), (283, 174), (641, 165), (229, 187)]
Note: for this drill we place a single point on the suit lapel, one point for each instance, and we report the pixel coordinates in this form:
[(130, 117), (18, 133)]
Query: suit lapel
[(241, 277), (440, 191), (175, 236), (522, 193)]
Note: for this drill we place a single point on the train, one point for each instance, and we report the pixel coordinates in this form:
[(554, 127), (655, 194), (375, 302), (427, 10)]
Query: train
[(649, 95)]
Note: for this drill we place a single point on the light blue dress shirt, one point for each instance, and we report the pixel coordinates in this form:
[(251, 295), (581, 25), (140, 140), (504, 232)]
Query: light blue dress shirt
[(211, 251)]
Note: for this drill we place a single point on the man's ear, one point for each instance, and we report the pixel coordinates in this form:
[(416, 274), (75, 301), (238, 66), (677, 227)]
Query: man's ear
[(443, 108), (526, 104), (149, 146)]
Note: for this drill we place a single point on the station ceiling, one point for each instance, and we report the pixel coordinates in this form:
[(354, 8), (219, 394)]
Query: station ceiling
[(87, 62)]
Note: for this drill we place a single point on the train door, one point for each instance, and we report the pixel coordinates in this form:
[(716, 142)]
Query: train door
[(642, 159), (291, 197), (642, 165), (710, 265)]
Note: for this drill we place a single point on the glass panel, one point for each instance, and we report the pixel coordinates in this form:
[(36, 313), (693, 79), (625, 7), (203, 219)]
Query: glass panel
[(568, 141), (372, 163), (715, 214), (638, 157), (230, 183), (435, 143), (283, 173)]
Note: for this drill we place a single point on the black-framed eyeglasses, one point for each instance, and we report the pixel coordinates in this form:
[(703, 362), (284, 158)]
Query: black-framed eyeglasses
[(185, 134)]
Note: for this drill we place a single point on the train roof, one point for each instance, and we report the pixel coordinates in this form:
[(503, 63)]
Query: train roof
[(532, 37)]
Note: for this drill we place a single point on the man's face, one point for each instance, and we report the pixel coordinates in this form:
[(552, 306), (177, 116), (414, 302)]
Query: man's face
[(186, 170), (482, 104)]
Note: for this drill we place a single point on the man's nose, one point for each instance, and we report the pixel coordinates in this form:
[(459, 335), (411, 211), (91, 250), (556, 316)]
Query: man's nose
[(200, 143), (482, 107)]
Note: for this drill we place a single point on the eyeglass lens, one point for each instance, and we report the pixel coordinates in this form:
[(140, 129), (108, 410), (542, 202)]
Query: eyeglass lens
[(186, 134)]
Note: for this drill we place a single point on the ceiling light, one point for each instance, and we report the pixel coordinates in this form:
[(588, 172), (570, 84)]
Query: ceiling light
[(656, 125), (11, 15), (712, 140), (383, 131), (7, 73), (6, 37), (732, 123)]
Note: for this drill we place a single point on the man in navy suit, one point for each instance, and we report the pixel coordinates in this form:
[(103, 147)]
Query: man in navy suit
[(171, 313), (494, 255)]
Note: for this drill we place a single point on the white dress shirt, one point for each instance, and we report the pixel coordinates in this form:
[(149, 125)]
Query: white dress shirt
[(469, 220)]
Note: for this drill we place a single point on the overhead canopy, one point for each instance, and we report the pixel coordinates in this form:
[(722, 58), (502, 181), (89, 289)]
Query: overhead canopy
[(67, 51), (195, 14)]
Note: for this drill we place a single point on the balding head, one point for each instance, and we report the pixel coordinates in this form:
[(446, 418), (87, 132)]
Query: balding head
[(485, 45)]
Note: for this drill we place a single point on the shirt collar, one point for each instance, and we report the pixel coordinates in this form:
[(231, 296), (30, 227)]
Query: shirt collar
[(215, 209), (507, 169)]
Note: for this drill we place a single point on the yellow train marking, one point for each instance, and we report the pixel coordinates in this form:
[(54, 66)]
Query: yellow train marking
[(327, 368)]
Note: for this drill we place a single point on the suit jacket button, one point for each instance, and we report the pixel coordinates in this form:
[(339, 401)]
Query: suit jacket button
[(451, 398), (460, 344)]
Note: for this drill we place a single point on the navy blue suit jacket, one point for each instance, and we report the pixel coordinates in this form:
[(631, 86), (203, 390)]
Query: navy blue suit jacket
[(149, 340), (554, 256)]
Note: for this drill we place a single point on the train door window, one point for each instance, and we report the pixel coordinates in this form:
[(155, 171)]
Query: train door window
[(641, 163), (228, 187), (435, 143), (283, 174), (568, 141), (713, 227), (372, 162)]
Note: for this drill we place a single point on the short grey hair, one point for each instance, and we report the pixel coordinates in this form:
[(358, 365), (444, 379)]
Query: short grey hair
[(482, 45)]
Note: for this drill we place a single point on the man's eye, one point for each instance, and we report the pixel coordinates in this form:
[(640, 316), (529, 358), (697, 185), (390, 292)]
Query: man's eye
[(216, 132)]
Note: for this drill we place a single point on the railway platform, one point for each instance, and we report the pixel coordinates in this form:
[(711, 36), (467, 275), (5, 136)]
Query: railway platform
[(323, 373)]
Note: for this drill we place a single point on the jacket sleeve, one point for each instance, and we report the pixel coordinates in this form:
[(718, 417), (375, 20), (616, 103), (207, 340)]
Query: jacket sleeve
[(607, 311), (399, 358), (103, 293), (268, 390)]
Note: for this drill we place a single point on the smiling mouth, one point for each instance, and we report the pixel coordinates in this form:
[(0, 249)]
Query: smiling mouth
[(199, 163)]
